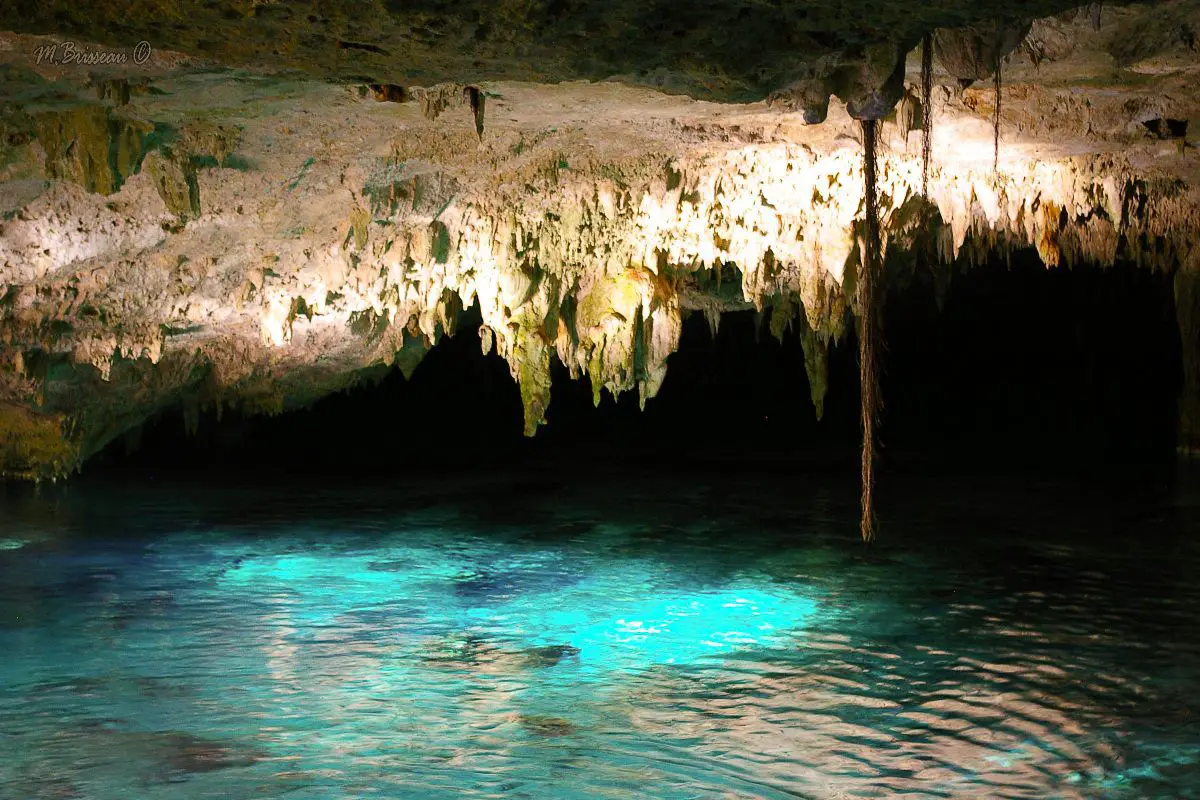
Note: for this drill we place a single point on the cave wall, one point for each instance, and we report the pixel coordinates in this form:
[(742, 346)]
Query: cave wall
[(260, 241)]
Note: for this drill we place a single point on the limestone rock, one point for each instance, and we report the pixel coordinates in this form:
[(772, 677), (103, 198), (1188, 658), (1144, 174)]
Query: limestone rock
[(870, 83), (975, 52), (256, 242)]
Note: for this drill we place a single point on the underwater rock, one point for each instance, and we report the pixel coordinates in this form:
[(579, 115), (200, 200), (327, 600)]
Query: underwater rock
[(163, 755), (39, 782), (459, 650), (550, 727), (485, 585), (185, 753), (475, 652), (550, 655)]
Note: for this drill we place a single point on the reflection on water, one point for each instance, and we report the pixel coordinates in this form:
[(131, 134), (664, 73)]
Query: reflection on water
[(687, 641)]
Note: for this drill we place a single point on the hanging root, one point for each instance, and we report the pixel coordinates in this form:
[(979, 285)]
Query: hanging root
[(926, 110), (996, 126), (868, 339)]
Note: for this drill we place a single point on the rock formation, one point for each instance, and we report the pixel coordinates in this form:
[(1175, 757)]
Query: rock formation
[(174, 233)]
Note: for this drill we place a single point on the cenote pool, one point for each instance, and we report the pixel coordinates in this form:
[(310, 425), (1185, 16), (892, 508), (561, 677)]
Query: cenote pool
[(634, 636)]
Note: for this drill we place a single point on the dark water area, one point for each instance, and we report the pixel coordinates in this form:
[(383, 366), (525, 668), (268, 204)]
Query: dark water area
[(601, 633)]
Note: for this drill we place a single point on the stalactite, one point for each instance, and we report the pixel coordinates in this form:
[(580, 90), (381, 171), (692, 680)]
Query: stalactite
[(926, 110), (816, 366), (867, 298), (996, 125)]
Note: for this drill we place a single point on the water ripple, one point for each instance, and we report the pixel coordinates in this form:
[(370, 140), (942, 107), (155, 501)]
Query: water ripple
[(427, 653)]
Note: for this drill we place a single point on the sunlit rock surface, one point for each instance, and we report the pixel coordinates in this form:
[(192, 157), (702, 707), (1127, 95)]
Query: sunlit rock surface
[(185, 233)]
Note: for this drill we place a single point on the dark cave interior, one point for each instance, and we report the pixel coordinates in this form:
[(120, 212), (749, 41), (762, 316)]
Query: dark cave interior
[(1022, 367)]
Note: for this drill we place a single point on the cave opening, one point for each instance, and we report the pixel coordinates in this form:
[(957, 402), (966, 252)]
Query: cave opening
[(1006, 364)]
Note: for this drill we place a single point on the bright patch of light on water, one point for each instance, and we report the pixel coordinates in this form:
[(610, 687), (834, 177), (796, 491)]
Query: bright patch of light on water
[(622, 615), (682, 628)]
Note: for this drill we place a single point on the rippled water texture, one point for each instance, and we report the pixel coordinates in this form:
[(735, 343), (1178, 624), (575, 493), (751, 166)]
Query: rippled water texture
[(638, 638)]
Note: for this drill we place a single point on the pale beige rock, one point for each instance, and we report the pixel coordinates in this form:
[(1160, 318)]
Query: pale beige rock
[(335, 232)]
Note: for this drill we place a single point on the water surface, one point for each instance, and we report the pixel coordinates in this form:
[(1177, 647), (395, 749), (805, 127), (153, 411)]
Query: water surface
[(610, 637)]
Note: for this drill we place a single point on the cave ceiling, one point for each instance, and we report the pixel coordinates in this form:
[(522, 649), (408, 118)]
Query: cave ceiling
[(283, 198), (722, 50)]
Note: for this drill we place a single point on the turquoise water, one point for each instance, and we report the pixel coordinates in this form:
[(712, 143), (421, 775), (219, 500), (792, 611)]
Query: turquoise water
[(641, 637)]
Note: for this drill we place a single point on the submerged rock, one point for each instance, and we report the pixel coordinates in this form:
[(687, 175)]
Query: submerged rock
[(550, 655), (157, 755), (183, 752), (546, 726)]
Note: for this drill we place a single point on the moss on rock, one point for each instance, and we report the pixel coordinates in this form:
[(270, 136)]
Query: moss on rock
[(34, 446), (87, 145), (174, 177)]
